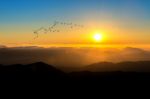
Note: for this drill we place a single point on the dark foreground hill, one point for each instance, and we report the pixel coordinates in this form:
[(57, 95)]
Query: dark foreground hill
[(44, 72)]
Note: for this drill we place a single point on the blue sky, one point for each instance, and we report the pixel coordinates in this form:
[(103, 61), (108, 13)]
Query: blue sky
[(33, 10)]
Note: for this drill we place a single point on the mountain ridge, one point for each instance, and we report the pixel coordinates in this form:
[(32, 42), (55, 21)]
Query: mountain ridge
[(40, 71), (132, 66)]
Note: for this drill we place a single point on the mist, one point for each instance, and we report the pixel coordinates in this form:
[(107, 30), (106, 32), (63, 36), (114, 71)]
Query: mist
[(72, 57)]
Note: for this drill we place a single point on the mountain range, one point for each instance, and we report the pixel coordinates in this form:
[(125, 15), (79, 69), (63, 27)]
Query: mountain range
[(40, 71)]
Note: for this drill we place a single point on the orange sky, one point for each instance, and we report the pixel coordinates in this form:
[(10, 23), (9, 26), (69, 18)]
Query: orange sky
[(120, 23)]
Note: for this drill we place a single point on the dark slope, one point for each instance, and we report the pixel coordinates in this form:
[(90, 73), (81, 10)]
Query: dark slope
[(35, 71), (139, 66), (41, 72)]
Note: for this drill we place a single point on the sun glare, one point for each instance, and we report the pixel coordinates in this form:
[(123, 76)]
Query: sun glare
[(97, 37)]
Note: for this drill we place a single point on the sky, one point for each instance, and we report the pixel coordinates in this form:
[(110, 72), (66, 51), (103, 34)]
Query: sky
[(119, 21)]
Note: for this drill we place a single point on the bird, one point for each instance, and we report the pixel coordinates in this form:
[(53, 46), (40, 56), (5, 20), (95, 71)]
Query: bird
[(45, 30), (49, 28), (82, 26), (61, 23), (70, 23), (56, 22), (75, 25), (53, 28), (71, 27), (37, 35)]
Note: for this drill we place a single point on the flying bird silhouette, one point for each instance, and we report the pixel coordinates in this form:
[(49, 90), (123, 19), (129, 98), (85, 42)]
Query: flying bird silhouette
[(36, 33), (53, 28)]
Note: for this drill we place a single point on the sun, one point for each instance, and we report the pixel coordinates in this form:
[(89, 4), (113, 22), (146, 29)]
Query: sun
[(97, 37)]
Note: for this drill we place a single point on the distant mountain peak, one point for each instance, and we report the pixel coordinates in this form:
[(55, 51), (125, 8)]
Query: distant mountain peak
[(39, 63), (41, 66), (135, 66), (133, 49)]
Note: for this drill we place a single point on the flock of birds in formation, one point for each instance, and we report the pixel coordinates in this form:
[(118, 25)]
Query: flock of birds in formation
[(54, 29)]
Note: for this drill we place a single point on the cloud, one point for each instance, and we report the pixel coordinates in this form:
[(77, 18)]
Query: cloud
[(70, 56), (2, 46), (129, 54)]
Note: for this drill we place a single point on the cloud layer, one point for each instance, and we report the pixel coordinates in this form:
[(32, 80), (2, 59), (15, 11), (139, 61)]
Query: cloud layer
[(70, 56)]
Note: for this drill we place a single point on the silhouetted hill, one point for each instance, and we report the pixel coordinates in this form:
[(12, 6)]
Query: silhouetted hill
[(35, 67), (139, 66), (42, 67), (35, 71), (101, 66), (41, 72)]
